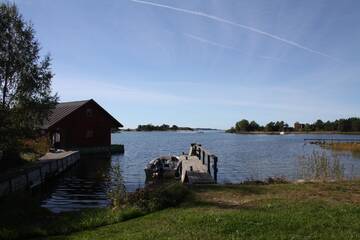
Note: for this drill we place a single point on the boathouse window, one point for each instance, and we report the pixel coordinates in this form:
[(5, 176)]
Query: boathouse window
[(89, 134), (89, 112)]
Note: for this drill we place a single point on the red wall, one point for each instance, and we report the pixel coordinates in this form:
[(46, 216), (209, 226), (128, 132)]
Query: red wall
[(74, 128)]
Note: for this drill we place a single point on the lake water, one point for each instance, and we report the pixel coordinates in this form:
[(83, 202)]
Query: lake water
[(241, 157)]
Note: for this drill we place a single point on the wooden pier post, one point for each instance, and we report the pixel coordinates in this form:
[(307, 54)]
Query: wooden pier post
[(208, 165), (215, 168)]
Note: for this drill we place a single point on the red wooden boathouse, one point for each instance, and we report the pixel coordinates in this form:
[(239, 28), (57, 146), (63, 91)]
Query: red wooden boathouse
[(80, 124)]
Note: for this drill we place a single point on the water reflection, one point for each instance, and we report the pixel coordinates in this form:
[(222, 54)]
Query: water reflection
[(84, 186)]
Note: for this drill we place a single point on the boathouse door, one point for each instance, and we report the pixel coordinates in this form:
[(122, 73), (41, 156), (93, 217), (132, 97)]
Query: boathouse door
[(56, 140)]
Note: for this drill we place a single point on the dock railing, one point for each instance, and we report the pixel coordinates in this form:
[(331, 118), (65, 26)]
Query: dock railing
[(208, 159)]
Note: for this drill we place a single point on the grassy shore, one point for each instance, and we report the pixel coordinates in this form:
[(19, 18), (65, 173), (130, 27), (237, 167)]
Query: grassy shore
[(280, 211), (277, 211)]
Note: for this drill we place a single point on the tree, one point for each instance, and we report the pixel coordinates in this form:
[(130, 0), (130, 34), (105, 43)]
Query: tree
[(342, 125), (270, 127), (25, 79), (355, 124), (319, 125), (279, 126), (308, 127), (242, 125), (253, 126)]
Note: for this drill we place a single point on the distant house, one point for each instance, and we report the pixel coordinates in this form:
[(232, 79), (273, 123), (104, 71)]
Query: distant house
[(299, 126), (81, 124)]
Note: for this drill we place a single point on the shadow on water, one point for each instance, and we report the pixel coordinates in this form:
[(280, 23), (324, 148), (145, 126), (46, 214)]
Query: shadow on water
[(85, 185)]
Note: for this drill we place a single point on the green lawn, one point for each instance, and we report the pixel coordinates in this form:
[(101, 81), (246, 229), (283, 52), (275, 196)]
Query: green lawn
[(280, 211)]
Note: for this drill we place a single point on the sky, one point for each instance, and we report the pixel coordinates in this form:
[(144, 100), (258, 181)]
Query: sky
[(204, 63)]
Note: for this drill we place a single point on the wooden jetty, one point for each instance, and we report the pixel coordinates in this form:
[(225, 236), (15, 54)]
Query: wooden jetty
[(50, 165), (199, 166)]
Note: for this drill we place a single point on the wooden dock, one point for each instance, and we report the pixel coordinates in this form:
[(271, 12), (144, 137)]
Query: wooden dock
[(50, 165), (199, 166)]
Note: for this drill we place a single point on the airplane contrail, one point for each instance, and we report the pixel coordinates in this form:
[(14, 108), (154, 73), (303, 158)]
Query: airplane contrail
[(200, 39), (223, 20)]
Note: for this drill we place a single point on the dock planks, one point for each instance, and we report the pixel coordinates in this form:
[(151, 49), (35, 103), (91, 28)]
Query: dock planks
[(193, 171)]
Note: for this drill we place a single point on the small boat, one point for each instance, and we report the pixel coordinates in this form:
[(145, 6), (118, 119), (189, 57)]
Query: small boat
[(282, 133), (163, 166)]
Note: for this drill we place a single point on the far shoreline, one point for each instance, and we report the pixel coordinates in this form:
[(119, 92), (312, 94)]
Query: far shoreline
[(296, 133), (248, 133)]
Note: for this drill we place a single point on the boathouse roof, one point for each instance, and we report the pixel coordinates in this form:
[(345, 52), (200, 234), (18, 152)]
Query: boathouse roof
[(64, 109)]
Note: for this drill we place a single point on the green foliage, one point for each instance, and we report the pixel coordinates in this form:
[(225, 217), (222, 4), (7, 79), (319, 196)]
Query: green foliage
[(164, 127), (253, 126), (25, 80), (159, 197), (319, 125), (242, 126), (270, 127), (340, 125), (117, 193)]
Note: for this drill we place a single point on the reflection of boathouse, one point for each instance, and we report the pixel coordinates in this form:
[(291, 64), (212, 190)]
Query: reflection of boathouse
[(81, 124)]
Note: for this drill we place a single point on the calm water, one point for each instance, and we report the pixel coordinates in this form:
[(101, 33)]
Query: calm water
[(241, 157)]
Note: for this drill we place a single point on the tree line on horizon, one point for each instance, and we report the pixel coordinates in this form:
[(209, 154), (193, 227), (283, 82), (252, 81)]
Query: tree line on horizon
[(340, 125), (163, 127)]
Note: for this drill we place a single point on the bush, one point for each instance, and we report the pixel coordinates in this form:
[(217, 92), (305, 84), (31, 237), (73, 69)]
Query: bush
[(158, 197), (39, 145)]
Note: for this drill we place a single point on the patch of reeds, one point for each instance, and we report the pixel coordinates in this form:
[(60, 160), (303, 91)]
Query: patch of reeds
[(343, 146), (117, 190), (321, 166)]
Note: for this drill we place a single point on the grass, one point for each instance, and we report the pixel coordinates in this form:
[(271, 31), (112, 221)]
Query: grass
[(279, 211), (318, 210)]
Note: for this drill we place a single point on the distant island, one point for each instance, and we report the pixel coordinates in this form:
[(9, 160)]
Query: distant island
[(163, 127), (350, 125)]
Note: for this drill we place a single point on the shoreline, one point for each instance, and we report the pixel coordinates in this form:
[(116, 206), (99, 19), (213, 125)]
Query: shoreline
[(280, 207), (297, 133)]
